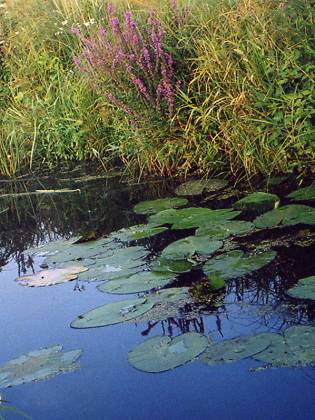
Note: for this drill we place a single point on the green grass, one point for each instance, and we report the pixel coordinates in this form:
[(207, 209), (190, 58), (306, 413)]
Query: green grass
[(245, 108)]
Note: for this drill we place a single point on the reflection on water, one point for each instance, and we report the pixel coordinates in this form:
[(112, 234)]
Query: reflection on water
[(246, 306)]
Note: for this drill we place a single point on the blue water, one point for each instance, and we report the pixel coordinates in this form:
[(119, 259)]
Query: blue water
[(107, 387)]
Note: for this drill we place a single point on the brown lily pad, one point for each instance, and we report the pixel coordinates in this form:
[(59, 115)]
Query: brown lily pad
[(51, 277)]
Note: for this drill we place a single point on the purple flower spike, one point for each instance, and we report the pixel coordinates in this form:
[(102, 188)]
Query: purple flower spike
[(75, 30)]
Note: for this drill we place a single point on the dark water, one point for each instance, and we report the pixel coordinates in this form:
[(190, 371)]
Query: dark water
[(107, 387)]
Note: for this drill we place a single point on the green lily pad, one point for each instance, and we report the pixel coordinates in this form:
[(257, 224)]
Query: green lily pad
[(225, 229), (169, 303), (154, 206), (216, 283), (140, 282), (103, 272), (303, 194), (113, 313), (236, 264), (295, 349), (38, 365), (289, 215), (137, 232), (80, 251), (257, 202), (229, 351), (198, 186), (195, 217), (159, 354), (192, 217), (164, 265), (305, 289), (187, 247)]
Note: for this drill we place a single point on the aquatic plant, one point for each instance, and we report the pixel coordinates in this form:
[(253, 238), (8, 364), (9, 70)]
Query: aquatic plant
[(38, 365), (159, 354)]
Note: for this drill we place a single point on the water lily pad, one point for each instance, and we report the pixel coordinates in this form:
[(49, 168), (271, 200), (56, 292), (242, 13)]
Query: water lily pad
[(305, 289), (154, 206), (192, 217), (195, 217), (140, 282), (257, 202), (287, 215), (137, 232), (225, 229), (38, 365), (198, 186), (159, 354), (108, 272), (113, 313), (169, 303), (80, 251), (295, 349), (237, 264), (164, 265), (304, 194), (51, 277), (229, 351), (216, 282), (187, 247)]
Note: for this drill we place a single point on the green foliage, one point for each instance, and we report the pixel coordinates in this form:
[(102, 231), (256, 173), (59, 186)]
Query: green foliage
[(245, 103)]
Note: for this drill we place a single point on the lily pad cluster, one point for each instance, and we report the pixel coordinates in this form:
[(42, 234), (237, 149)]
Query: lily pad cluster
[(187, 247), (289, 215), (38, 365), (305, 289), (126, 310), (294, 348)]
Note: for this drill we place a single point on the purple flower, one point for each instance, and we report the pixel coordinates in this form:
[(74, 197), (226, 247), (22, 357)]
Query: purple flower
[(75, 30)]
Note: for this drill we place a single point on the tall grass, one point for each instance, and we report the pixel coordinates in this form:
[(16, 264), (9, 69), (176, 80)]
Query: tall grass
[(245, 106)]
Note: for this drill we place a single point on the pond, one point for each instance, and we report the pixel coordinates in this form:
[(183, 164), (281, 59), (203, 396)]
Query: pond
[(217, 316)]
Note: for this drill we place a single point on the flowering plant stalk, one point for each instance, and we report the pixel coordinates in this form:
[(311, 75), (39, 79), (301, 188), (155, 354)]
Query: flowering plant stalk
[(128, 62)]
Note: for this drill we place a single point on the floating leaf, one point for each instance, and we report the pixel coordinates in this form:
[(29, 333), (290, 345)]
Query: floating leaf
[(38, 365), (154, 206), (257, 202), (169, 303), (51, 277), (161, 264), (140, 282), (226, 229), (295, 349), (305, 289), (198, 186), (229, 351), (237, 264), (216, 282), (137, 232), (71, 252), (108, 272), (113, 313), (287, 215), (304, 194), (187, 247), (192, 217), (159, 354)]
